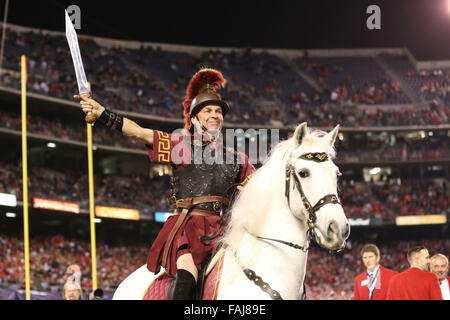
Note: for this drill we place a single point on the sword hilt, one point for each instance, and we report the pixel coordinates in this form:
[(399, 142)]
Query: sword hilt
[(90, 117)]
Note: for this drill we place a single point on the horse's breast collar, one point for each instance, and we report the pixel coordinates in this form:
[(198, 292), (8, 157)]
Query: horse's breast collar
[(330, 198), (252, 276)]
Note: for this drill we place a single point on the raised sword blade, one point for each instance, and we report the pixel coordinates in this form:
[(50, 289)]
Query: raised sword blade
[(72, 39)]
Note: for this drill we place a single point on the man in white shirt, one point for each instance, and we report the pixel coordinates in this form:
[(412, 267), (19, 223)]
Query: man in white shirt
[(439, 266)]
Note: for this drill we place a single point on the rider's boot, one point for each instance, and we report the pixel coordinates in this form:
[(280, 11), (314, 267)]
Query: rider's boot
[(182, 286)]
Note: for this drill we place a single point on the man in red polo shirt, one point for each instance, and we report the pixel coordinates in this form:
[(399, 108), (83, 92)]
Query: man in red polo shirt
[(416, 283), (373, 283)]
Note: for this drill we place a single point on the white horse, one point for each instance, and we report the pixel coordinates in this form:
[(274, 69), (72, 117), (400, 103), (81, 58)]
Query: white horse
[(290, 200)]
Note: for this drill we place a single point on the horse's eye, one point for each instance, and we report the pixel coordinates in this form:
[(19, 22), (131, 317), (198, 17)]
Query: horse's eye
[(303, 173)]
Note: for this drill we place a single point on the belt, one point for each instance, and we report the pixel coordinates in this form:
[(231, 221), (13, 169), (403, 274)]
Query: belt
[(190, 202), (183, 208), (198, 212)]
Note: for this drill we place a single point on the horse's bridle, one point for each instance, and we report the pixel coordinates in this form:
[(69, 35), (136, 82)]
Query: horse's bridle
[(328, 199)]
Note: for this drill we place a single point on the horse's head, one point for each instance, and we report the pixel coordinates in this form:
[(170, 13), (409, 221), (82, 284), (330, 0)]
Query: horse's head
[(311, 186)]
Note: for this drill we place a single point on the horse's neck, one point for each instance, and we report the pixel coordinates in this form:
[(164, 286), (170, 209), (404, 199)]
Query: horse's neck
[(286, 264), (281, 266)]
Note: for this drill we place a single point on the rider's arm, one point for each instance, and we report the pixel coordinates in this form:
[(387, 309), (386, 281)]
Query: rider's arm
[(132, 129), (129, 127)]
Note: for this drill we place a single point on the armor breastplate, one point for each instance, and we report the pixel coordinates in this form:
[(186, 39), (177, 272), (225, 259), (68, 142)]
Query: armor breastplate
[(196, 180)]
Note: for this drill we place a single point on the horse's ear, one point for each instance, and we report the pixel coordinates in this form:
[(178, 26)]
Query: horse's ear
[(331, 136), (300, 132)]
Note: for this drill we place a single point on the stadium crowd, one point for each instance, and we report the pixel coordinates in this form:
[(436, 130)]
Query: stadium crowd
[(59, 128), (383, 200), (329, 276), (355, 80), (416, 197), (70, 131), (151, 81), (50, 256), (388, 199), (127, 192)]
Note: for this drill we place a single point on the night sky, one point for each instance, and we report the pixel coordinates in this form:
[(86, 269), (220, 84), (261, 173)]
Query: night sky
[(421, 25)]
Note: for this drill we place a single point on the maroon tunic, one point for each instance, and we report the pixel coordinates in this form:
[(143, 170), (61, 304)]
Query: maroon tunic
[(173, 149)]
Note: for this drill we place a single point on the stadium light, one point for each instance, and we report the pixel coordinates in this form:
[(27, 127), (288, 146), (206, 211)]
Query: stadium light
[(51, 145), (7, 199)]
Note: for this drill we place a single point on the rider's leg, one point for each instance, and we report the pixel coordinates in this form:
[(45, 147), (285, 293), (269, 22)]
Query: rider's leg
[(184, 285), (186, 262)]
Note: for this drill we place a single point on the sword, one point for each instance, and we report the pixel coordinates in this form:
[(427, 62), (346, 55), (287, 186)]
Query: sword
[(83, 85)]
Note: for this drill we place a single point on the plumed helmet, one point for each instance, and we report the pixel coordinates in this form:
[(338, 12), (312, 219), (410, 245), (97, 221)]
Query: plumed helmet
[(201, 91)]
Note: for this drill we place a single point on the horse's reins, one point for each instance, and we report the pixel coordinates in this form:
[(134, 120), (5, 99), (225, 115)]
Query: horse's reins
[(328, 199)]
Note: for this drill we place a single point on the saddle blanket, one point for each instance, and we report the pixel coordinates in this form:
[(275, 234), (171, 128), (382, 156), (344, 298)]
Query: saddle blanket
[(157, 290)]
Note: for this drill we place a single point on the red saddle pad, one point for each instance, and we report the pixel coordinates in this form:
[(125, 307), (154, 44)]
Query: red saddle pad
[(157, 290)]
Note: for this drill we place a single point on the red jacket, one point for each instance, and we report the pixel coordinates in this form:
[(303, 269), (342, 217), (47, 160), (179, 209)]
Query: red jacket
[(414, 284), (361, 289)]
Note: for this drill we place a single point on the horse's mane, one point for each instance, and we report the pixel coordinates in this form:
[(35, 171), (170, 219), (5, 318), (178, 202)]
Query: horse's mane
[(260, 189)]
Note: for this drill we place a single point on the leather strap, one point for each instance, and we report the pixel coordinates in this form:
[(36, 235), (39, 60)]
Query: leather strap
[(172, 234), (199, 212), (328, 199), (112, 120), (186, 206), (190, 202), (252, 276)]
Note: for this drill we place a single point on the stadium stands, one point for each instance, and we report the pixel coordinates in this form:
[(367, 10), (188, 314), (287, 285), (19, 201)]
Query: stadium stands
[(131, 191), (328, 276), (384, 200), (263, 89), (73, 131)]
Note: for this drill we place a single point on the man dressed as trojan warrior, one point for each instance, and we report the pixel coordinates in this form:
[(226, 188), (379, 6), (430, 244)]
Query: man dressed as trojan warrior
[(203, 171)]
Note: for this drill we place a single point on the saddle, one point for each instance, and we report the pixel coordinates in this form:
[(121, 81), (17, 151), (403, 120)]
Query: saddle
[(207, 283)]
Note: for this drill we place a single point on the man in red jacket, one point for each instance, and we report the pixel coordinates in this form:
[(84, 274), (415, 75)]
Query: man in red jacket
[(374, 282), (439, 266), (416, 283)]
